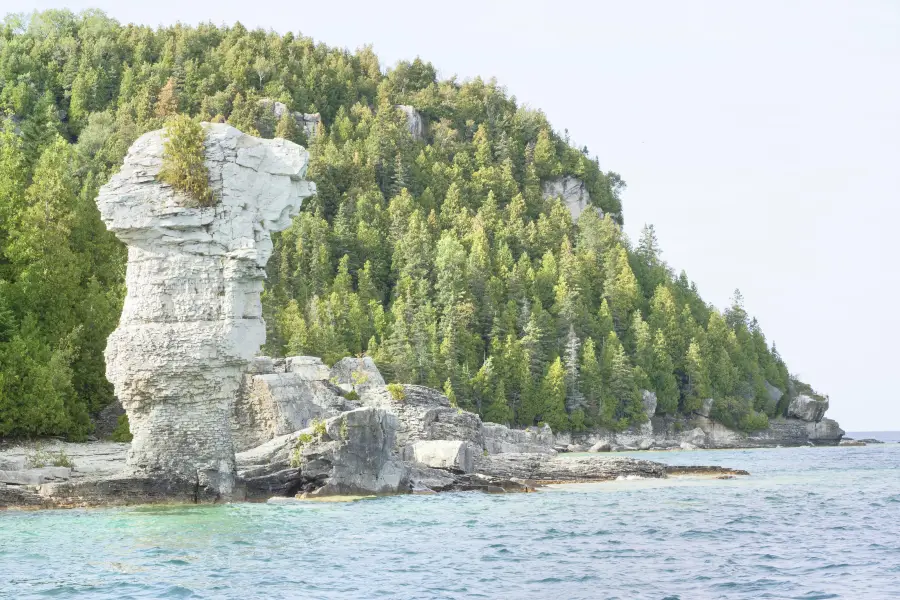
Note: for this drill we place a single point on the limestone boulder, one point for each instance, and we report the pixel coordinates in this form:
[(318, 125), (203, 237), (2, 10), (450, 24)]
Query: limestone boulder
[(775, 394), (308, 368), (106, 421), (351, 455), (274, 404), (825, 432), (451, 455), (425, 414), (356, 374), (807, 408), (694, 437), (601, 446), (501, 439), (192, 320)]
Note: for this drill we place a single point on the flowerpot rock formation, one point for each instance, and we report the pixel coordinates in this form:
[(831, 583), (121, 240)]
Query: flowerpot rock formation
[(192, 319)]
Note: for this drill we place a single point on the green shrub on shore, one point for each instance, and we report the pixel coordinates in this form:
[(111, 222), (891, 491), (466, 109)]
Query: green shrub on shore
[(122, 432), (737, 414), (39, 458), (397, 391)]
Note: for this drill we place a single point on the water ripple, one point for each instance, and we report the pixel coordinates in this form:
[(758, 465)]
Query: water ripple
[(810, 523)]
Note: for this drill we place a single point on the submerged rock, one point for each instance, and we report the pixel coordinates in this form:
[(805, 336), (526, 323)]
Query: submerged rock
[(192, 321), (544, 468)]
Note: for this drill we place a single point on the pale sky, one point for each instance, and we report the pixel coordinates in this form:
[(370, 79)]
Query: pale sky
[(762, 139)]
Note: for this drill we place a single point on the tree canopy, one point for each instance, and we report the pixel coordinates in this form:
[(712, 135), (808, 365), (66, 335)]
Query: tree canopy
[(438, 255)]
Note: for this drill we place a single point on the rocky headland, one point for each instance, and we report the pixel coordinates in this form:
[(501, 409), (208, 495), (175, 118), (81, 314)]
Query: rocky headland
[(213, 422)]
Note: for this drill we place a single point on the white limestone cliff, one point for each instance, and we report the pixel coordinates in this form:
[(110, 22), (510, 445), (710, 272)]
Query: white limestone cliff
[(572, 192), (192, 321)]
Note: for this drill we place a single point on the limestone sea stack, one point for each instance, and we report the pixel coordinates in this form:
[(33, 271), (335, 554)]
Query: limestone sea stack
[(192, 319)]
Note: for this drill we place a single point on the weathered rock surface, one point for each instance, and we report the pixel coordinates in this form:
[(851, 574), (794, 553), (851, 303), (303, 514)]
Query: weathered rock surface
[(426, 414), (501, 439), (775, 393), (543, 468), (354, 456), (451, 455), (573, 192), (274, 404), (356, 374), (705, 407), (414, 122), (35, 476), (648, 398), (307, 122), (108, 419), (826, 432), (806, 408), (602, 446), (192, 321), (307, 368)]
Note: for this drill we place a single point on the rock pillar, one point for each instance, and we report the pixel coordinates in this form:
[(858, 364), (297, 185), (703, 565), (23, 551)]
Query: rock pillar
[(192, 317)]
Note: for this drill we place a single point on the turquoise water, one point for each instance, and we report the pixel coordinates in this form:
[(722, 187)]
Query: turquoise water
[(809, 523)]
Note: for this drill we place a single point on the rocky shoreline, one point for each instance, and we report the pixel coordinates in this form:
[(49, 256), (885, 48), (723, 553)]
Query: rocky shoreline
[(303, 430), (211, 423)]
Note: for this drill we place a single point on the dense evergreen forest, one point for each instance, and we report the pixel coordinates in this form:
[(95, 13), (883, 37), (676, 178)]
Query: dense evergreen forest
[(440, 256)]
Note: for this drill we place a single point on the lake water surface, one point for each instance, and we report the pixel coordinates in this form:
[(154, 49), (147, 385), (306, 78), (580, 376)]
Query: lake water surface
[(808, 523)]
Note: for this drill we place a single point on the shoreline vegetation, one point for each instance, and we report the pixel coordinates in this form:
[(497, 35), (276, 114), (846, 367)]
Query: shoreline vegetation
[(446, 232), (444, 241)]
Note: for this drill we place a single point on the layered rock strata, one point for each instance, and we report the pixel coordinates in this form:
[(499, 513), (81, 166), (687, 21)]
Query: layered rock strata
[(191, 321), (351, 454)]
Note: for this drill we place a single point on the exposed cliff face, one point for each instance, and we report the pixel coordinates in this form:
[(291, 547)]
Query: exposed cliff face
[(573, 192), (414, 122), (307, 122), (192, 321)]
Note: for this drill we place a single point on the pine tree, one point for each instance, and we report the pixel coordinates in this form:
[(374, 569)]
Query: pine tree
[(574, 398), (167, 102), (287, 128), (553, 393), (620, 288), (662, 377), (591, 381), (697, 388)]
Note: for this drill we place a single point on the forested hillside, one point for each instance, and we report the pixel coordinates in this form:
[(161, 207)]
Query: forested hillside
[(439, 256)]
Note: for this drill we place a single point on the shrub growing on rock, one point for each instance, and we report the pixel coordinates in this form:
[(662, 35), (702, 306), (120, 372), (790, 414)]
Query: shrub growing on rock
[(397, 391), (184, 166), (122, 432)]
